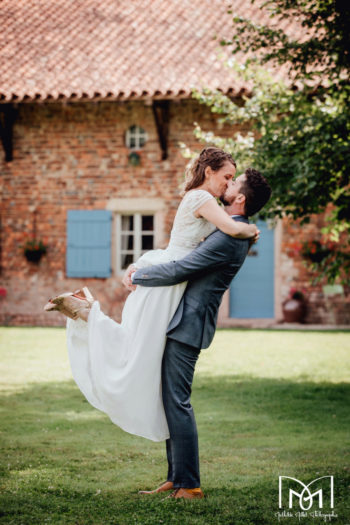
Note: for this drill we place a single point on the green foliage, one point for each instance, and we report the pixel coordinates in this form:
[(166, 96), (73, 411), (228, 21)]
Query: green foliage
[(323, 46), (300, 144), (299, 129)]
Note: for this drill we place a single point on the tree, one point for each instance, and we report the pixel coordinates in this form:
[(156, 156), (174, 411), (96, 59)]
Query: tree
[(300, 127)]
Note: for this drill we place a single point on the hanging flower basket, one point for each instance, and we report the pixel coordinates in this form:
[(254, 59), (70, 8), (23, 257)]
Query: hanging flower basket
[(34, 250), (315, 251)]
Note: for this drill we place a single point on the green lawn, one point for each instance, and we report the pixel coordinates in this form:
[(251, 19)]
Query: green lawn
[(268, 403)]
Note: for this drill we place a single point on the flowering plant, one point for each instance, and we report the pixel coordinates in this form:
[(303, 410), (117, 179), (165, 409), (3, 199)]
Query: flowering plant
[(316, 251), (34, 249), (297, 295), (35, 246), (294, 248)]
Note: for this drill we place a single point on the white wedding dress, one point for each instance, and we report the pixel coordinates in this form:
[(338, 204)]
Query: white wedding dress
[(118, 366)]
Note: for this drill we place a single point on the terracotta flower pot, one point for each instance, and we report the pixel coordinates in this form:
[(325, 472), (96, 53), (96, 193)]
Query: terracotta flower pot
[(294, 310)]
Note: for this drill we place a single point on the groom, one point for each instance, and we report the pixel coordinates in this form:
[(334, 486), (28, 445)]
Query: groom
[(209, 270)]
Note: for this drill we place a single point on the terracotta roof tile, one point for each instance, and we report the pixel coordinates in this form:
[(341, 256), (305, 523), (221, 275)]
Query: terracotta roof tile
[(109, 48)]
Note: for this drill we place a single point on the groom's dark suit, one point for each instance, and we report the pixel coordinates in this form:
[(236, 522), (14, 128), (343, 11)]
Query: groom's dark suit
[(209, 270)]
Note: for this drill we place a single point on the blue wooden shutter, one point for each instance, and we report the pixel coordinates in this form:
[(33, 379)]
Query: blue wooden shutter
[(88, 243)]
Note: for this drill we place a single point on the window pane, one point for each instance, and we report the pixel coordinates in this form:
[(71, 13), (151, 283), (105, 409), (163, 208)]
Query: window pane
[(127, 242), (127, 223), (147, 242), (142, 140), (147, 222), (127, 259)]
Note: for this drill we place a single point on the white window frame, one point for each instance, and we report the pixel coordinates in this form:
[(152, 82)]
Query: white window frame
[(137, 234), (135, 207), (137, 134)]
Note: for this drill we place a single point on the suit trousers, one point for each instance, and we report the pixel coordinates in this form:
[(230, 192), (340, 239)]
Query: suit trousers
[(178, 366)]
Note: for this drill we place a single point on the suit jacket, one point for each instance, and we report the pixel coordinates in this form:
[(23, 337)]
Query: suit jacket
[(209, 270)]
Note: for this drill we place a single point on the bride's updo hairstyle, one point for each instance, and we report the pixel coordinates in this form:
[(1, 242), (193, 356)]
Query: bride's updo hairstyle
[(215, 158)]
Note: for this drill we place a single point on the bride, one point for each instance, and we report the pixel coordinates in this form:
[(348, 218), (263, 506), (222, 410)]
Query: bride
[(118, 366)]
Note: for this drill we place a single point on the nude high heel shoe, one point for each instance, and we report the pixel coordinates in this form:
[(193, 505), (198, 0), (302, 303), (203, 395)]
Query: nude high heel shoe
[(75, 305)]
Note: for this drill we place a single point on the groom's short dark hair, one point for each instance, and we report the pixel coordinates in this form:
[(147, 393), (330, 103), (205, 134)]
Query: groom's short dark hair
[(256, 190)]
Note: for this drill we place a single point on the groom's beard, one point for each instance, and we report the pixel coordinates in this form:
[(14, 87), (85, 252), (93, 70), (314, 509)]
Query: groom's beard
[(224, 201)]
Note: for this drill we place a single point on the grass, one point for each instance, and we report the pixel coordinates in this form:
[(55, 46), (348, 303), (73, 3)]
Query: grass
[(268, 403)]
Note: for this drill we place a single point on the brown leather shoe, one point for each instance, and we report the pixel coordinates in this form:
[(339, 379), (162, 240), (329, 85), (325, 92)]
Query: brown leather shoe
[(187, 493), (167, 485)]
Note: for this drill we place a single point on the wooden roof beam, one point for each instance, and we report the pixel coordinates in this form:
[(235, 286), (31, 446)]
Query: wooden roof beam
[(7, 118), (161, 116)]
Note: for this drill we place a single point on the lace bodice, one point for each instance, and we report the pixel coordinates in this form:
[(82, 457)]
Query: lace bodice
[(188, 230)]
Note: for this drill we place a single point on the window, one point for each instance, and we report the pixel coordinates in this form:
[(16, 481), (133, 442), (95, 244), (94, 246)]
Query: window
[(101, 243), (135, 137), (138, 226), (135, 236)]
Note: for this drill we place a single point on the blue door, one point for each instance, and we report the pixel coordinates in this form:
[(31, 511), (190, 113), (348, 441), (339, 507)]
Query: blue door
[(252, 290)]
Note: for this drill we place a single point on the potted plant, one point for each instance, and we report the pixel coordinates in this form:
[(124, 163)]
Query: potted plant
[(294, 307), (33, 250)]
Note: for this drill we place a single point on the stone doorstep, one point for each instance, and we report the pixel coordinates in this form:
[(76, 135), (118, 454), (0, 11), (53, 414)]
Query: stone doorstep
[(306, 327), (275, 325)]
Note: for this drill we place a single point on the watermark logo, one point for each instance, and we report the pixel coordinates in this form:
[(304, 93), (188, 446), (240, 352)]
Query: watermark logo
[(305, 496), (300, 500)]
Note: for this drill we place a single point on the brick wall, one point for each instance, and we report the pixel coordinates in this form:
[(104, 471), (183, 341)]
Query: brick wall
[(322, 308), (74, 156)]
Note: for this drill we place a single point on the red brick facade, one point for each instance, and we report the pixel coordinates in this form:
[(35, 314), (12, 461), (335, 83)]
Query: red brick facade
[(73, 156), (332, 309)]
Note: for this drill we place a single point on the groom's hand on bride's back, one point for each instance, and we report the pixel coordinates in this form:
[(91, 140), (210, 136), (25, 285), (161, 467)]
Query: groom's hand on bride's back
[(127, 282), (254, 239)]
